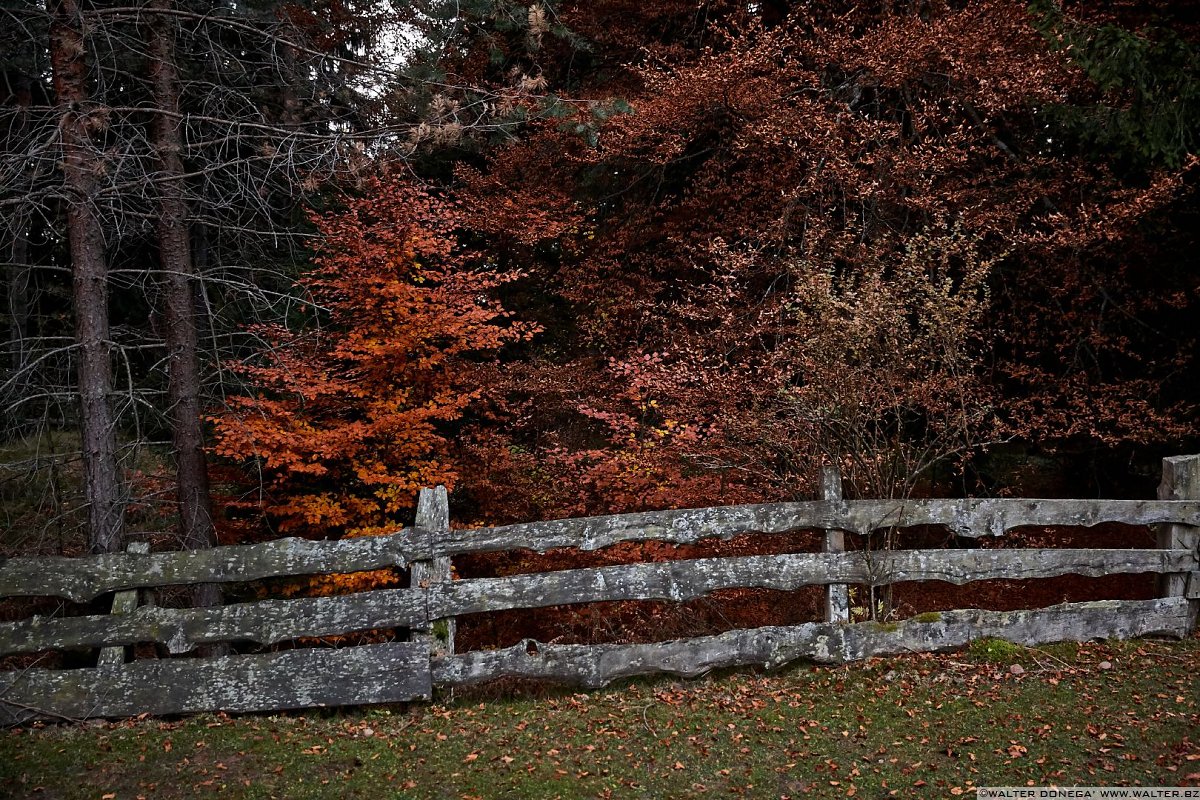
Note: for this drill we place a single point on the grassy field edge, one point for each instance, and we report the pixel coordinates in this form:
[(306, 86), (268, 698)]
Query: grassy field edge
[(1103, 714)]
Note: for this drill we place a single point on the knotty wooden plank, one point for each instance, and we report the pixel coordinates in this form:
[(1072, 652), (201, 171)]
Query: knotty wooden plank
[(967, 518), (823, 642), (83, 579), (379, 673)]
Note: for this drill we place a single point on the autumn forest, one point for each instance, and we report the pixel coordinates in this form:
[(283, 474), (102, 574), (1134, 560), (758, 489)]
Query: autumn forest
[(270, 267)]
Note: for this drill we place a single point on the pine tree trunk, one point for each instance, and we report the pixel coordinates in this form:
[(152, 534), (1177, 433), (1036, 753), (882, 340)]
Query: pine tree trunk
[(179, 311), (18, 273), (17, 279), (81, 165)]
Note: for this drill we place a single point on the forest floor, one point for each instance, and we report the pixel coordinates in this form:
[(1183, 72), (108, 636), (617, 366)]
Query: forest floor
[(1097, 714)]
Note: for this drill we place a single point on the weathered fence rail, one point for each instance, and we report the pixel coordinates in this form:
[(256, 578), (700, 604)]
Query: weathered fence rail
[(273, 621), (400, 671), (822, 642), (88, 577)]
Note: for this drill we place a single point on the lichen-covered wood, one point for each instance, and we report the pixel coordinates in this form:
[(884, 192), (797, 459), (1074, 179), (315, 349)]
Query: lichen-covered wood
[(967, 518), (123, 603), (271, 621), (381, 673), (393, 672), (598, 665), (182, 629), (401, 671), (433, 516), (1180, 481), (837, 595), (83, 579), (684, 580)]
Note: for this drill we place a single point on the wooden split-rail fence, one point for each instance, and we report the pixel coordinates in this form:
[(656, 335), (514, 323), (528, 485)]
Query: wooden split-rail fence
[(296, 676)]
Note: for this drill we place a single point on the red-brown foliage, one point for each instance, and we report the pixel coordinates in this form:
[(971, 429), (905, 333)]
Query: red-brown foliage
[(675, 263)]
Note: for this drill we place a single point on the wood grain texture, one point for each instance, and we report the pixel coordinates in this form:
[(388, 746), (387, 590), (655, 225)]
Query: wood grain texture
[(380, 673), (598, 665), (685, 580), (837, 595), (433, 515), (1180, 481), (83, 579), (182, 629), (967, 518), (123, 603), (271, 621)]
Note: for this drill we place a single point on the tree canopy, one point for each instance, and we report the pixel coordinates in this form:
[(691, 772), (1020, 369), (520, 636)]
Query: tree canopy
[(586, 257)]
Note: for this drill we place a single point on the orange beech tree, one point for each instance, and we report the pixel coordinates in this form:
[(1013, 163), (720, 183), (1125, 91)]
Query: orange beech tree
[(349, 418)]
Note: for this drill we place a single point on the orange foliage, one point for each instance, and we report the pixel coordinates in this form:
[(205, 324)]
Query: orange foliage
[(350, 415)]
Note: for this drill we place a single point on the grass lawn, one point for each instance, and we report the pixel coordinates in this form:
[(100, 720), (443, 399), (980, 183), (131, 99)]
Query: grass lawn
[(1114, 713)]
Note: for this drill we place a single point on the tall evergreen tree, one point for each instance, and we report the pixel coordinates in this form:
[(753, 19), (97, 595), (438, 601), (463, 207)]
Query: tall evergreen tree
[(189, 136), (82, 164)]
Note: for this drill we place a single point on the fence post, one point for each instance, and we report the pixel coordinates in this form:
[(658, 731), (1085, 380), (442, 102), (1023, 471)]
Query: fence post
[(124, 602), (433, 514), (1181, 481), (837, 595)]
